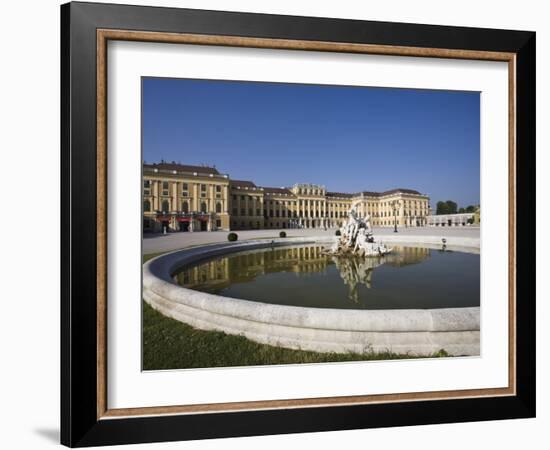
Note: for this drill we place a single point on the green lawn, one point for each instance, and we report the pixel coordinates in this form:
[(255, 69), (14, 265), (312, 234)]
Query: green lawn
[(170, 344)]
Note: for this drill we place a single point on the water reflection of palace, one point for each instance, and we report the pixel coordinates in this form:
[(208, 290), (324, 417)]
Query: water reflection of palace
[(220, 273), (404, 256)]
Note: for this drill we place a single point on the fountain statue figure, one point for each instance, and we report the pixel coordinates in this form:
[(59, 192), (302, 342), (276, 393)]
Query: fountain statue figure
[(356, 238)]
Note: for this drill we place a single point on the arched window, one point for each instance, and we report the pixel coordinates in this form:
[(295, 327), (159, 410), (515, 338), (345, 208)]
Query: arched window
[(218, 207), (166, 205), (185, 207), (146, 206), (203, 207)]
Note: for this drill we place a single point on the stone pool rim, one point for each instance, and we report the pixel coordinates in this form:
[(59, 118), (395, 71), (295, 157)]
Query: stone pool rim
[(418, 331)]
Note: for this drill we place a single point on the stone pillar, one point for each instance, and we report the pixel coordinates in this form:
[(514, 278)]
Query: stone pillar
[(196, 201), (175, 205), (225, 202), (156, 196), (211, 198)]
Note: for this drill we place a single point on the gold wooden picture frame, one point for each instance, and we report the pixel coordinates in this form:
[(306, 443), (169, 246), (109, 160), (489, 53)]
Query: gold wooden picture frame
[(85, 35)]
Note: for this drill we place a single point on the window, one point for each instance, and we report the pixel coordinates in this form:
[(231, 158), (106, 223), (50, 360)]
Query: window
[(203, 190), (146, 186), (204, 208), (185, 207), (165, 188), (147, 206), (165, 206), (235, 212), (218, 207), (218, 223), (218, 188), (185, 187)]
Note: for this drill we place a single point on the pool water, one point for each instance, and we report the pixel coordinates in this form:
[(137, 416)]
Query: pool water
[(408, 278)]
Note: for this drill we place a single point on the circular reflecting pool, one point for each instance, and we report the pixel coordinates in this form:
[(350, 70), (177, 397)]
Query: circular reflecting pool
[(408, 278)]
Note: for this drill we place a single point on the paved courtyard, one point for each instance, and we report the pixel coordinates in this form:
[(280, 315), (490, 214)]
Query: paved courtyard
[(157, 243)]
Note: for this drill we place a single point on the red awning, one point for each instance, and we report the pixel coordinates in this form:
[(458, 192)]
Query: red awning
[(203, 218), (184, 219), (163, 218)]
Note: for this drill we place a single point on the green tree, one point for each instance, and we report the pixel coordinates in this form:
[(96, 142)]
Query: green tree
[(452, 206), (441, 208), (470, 209), (461, 210), (448, 207)]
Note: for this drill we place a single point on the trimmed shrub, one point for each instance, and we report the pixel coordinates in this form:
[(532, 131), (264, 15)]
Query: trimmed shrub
[(282, 234), (232, 237), (337, 233)]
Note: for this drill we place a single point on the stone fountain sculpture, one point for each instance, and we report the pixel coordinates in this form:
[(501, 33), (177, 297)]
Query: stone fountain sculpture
[(356, 238)]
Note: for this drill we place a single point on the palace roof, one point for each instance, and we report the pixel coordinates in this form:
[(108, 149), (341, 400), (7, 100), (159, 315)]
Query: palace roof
[(277, 191), (245, 184), (182, 168), (340, 194), (401, 191), (242, 183)]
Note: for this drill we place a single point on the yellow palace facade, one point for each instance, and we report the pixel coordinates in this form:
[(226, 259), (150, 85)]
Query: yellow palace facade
[(179, 197)]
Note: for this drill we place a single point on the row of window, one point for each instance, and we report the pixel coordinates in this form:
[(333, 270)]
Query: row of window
[(165, 189), (405, 213), (165, 207), (315, 206)]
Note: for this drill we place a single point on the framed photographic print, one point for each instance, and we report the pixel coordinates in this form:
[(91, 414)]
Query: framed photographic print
[(278, 224)]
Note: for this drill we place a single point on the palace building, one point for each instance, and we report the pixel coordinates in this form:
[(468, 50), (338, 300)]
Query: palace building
[(179, 197)]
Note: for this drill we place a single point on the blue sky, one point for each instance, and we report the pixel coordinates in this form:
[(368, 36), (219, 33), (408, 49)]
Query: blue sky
[(349, 139)]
